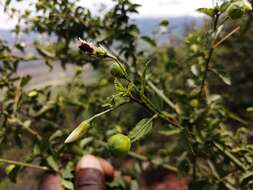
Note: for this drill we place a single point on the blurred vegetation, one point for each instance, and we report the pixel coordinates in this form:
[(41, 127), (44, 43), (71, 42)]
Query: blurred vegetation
[(186, 109)]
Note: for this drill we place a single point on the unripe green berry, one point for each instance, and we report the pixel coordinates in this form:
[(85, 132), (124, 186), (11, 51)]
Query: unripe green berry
[(119, 144), (118, 70)]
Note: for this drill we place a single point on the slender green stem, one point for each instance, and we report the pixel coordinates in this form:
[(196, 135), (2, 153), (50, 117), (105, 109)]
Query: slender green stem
[(145, 158), (227, 36), (28, 129), (100, 114), (209, 57), (106, 111), (147, 103), (23, 164), (161, 95), (230, 156)]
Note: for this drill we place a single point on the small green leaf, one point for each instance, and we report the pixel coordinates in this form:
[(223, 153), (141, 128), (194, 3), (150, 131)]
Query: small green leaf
[(12, 172), (119, 86), (67, 184), (249, 109), (246, 177), (67, 173), (149, 40), (141, 129), (164, 22), (9, 169), (195, 70), (225, 79), (52, 163), (208, 11), (134, 185), (45, 51)]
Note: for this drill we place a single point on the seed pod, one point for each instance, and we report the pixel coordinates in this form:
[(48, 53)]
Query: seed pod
[(78, 132), (118, 70), (119, 144)]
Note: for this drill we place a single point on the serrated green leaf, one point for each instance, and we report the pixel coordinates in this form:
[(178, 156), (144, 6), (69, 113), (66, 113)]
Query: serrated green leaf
[(119, 86)]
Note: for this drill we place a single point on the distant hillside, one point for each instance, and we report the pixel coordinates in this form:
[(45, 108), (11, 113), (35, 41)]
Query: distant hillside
[(147, 27), (41, 74)]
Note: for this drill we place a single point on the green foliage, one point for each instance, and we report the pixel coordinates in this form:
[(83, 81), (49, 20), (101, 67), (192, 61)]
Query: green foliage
[(165, 103)]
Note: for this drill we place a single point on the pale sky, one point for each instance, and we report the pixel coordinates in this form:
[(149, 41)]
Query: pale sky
[(149, 8)]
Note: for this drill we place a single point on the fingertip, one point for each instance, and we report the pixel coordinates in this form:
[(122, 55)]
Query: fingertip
[(107, 167), (50, 181)]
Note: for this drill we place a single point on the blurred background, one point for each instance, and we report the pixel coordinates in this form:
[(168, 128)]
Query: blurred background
[(235, 57)]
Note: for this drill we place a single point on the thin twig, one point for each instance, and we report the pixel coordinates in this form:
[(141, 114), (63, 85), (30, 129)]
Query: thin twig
[(230, 156), (161, 95), (226, 37), (23, 164), (145, 158), (209, 57)]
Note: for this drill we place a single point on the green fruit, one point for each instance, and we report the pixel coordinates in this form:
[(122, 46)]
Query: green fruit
[(118, 70), (119, 144)]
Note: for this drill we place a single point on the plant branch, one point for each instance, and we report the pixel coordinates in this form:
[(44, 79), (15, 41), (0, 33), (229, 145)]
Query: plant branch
[(145, 158), (226, 37), (28, 129), (23, 164), (161, 95), (230, 156), (209, 57)]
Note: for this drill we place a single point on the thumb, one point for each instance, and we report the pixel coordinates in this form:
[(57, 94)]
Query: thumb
[(89, 174)]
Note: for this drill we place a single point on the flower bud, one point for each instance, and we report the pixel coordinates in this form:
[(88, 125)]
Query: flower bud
[(92, 49), (118, 70), (100, 51), (78, 132), (119, 144)]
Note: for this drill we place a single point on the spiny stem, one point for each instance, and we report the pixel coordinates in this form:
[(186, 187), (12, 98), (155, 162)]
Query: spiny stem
[(23, 164)]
